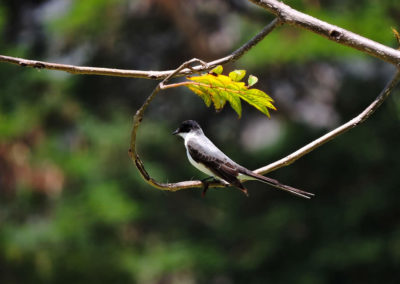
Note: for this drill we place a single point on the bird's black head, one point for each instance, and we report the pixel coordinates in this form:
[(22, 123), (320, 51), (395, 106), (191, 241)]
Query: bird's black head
[(186, 127)]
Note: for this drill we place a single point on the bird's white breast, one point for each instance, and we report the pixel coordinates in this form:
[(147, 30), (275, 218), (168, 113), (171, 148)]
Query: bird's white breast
[(197, 165)]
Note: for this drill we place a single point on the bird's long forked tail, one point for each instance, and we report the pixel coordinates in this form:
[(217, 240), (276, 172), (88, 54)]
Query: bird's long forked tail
[(277, 184)]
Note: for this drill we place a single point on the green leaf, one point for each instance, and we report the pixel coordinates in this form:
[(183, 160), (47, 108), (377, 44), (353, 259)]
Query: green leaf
[(224, 92), (215, 93), (202, 93), (218, 89), (260, 94), (237, 75), (252, 80), (217, 70), (235, 103), (260, 103)]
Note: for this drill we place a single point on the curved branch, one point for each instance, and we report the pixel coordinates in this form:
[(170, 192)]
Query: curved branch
[(139, 73), (137, 119), (364, 115), (293, 17)]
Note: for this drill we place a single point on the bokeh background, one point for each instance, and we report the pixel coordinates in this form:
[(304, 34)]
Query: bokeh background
[(73, 208)]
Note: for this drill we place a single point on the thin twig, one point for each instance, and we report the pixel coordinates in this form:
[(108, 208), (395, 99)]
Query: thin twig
[(293, 17), (364, 115), (157, 75)]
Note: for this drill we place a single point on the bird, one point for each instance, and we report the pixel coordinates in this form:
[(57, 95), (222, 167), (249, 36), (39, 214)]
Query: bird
[(206, 157)]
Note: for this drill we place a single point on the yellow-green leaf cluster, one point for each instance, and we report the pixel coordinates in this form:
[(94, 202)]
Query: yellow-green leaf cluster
[(216, 88)]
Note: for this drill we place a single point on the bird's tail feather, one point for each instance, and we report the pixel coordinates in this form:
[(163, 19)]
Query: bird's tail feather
[(277, 184)]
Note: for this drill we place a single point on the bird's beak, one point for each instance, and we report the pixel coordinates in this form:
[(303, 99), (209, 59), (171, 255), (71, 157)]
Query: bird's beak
[(175, 132)]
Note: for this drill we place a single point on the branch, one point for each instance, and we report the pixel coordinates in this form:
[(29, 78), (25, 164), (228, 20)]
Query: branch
[(336, 132), (293, 17), (139, 73)]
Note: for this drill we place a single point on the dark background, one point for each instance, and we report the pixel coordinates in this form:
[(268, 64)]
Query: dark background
[(73, 208)]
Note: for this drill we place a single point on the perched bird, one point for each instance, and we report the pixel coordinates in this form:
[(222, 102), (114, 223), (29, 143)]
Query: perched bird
[(206, 157)]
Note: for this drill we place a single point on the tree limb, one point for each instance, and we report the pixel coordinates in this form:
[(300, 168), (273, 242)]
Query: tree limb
[(157, 75), (364, 115), (287, 15)]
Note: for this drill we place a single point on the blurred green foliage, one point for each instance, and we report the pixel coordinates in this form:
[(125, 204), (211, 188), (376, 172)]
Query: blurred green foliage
[(73, 208), (369, 20)]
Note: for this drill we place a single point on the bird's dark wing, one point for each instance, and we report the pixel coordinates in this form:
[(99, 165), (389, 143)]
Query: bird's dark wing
[(216, 162)]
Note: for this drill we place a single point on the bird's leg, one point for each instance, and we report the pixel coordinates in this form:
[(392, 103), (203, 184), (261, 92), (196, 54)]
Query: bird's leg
[(206, 183), (205, 188)]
